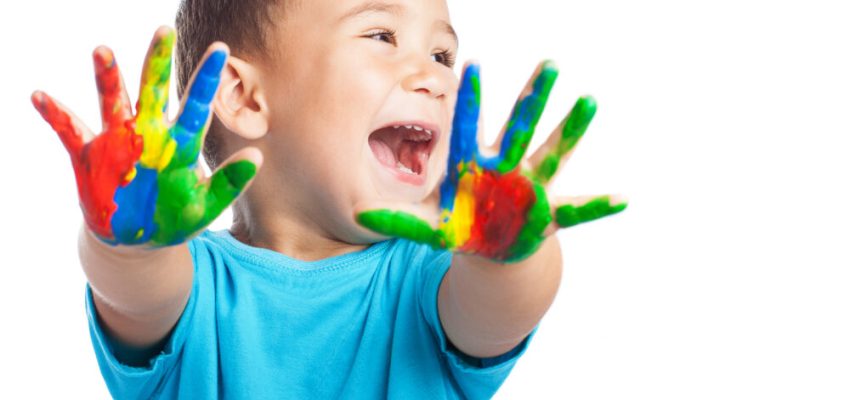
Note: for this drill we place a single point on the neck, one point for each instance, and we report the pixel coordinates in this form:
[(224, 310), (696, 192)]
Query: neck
[(273, 226)]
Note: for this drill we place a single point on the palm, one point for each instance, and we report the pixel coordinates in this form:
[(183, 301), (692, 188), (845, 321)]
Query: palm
[(497, 206), (138, 181)]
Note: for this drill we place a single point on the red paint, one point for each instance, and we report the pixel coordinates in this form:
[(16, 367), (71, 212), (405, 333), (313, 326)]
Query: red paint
[(102, 164), (501, 210)]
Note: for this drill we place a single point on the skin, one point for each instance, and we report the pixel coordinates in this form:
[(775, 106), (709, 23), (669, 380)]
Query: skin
[(309, 104)]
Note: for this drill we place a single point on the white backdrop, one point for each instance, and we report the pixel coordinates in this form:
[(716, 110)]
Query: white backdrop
[(726, 123)]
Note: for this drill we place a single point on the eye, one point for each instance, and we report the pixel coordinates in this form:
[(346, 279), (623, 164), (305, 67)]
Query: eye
[(384, 35), (444, 57)]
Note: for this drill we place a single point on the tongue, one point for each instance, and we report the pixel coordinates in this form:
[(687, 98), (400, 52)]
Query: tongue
[(412, 155), (391, 149)]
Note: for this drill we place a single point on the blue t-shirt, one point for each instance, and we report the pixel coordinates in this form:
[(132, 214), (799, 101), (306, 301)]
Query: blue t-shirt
[(261, 325)]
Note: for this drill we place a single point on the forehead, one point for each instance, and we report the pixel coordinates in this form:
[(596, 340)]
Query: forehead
[(337, 11), (437, 8)]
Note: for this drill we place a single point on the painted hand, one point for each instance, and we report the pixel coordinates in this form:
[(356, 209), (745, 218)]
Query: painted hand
[(497, 206), (138, 181)]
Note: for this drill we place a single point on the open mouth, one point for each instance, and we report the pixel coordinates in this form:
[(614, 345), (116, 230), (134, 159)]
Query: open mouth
[(404, 148)]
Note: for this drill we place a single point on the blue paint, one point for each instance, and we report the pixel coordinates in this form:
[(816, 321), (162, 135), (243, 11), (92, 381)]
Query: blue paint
[(464, 141), (136, 204), (522, 123), (188, 132)]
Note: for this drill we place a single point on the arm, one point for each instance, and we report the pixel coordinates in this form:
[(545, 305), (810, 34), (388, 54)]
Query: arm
[(142, 192), (487, 308), (495, 215), (139, 292)]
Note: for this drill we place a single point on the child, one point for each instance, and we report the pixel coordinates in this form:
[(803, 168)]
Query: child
[(347, 105)]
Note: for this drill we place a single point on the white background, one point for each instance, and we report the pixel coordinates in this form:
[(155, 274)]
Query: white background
[(726, 123)]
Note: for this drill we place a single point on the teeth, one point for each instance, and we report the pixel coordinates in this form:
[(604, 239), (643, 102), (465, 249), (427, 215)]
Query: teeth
[(416, 128), (401, 167)]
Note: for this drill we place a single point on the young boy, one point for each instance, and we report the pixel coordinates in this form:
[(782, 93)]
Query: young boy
[(347, 104)]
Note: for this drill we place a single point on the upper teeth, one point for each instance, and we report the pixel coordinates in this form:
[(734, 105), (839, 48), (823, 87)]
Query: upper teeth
[(414, 127)]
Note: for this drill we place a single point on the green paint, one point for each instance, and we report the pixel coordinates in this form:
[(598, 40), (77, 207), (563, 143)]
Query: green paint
[(185, 205), (574, 128), (529, 238), (524, 118), (225, 185), (570, 215), (158, 73), (476, 88), (402, 225)]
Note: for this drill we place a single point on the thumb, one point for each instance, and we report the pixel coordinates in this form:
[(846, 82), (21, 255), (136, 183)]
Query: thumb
[(230, 180), (414, 222)]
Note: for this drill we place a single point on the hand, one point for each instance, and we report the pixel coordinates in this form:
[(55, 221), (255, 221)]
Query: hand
[(139, 181), (497, 206)]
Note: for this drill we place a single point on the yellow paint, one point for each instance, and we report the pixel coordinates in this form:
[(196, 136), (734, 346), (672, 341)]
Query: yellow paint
[(459, 226), (159, 146), (153, 100), (130, 175)]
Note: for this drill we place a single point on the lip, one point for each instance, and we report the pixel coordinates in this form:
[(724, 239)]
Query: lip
[(436, 133)]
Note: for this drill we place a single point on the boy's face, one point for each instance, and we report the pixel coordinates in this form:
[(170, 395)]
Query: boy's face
[(346, 79)]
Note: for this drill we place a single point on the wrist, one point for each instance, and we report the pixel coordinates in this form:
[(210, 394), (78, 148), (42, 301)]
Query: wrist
[(92, 245)]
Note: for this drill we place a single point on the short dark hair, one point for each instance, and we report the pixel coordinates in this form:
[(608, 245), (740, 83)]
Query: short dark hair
[(242, 24)]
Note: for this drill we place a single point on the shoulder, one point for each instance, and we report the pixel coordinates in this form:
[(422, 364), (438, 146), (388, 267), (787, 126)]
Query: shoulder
[(416, 253), (420, 262)]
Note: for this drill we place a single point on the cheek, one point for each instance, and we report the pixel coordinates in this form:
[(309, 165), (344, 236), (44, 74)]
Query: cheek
[(356, 69)]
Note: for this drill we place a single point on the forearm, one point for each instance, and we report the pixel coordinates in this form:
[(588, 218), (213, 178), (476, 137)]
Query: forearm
[(487, 308), (139, 291)]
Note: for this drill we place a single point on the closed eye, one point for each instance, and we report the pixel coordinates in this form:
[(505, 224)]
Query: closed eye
[(384, 35), (445, 57)]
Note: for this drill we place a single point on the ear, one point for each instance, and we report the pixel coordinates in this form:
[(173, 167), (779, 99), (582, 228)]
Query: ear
[(240, 104)]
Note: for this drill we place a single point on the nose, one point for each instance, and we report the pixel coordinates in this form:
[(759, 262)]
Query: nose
[(428, 77)]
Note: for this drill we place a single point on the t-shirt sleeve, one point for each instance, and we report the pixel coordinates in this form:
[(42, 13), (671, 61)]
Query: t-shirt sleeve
[(478, 378), (127, 373)]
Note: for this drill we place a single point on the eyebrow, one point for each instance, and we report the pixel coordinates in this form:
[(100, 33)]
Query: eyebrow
[(394, 9), (372, 6), (447, 27)]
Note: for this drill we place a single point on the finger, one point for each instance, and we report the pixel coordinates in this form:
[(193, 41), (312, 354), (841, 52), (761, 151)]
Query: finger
[(410, 222), (153, 102), (572, 211), (517, 133), (230, 180), (560, 144), (70, 129), (464, 144), (115, 107), (194, 116), (185, 205), (156, 75)]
